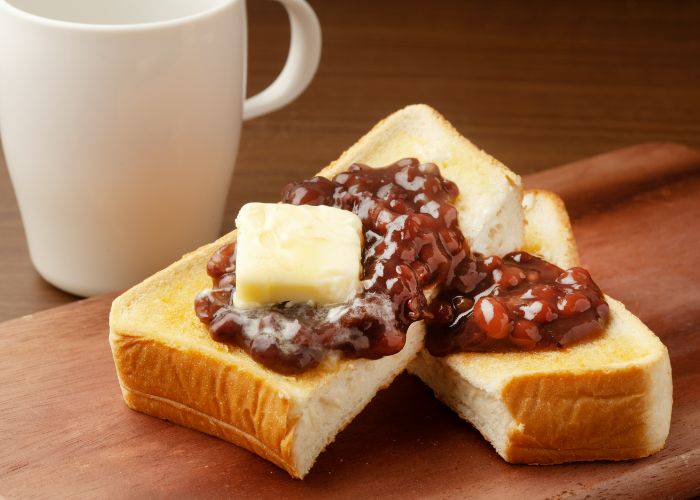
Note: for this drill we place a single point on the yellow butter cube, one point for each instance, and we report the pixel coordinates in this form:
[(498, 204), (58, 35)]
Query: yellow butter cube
[(296, 253)]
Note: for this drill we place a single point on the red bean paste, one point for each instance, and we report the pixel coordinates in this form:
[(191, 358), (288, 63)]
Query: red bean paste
[(412, 247)]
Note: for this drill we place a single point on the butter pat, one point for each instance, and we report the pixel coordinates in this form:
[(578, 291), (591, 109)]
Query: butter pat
[(296, 253)]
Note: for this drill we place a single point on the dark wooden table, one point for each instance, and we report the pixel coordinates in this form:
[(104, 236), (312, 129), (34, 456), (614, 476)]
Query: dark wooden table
[(536, 84)]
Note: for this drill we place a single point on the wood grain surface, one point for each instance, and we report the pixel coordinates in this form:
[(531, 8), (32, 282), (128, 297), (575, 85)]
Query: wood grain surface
[(64, 429), (536, 84)]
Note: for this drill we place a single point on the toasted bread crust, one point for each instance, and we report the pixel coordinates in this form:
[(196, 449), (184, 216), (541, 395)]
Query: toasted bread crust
[(559, 416), (566, 417), (198, 391), (246, 411)]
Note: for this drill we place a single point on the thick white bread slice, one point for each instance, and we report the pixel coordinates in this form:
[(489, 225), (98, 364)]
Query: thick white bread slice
[(606, 399), (489, 205), (169, 367)]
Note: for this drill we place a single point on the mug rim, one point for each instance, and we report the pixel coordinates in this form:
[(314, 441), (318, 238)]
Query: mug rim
[(96, 27)]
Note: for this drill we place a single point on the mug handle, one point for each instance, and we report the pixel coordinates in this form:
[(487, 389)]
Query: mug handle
[(302, 62)]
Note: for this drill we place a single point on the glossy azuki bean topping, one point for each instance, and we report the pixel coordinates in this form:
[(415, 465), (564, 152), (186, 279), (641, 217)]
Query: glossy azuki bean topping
[(412, 236), (412, 242), (521, 302), (290, 338)]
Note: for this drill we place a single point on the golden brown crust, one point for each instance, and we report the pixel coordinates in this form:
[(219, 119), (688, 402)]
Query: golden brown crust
[(186, 416), (221, 399), (568, 417)]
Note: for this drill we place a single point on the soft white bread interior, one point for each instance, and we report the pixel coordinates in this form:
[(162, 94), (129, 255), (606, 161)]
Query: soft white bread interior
[(168, 365), (609, 398), (548, 230)]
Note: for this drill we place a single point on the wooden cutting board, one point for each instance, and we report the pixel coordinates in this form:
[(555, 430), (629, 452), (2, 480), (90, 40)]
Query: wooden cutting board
[(65, 431)]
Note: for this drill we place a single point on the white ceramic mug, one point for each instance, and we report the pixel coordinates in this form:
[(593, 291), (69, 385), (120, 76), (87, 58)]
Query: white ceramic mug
[(120, 122)]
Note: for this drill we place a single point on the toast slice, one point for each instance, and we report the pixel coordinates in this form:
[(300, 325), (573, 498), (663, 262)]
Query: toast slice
[(606, 399), (168, 365)]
